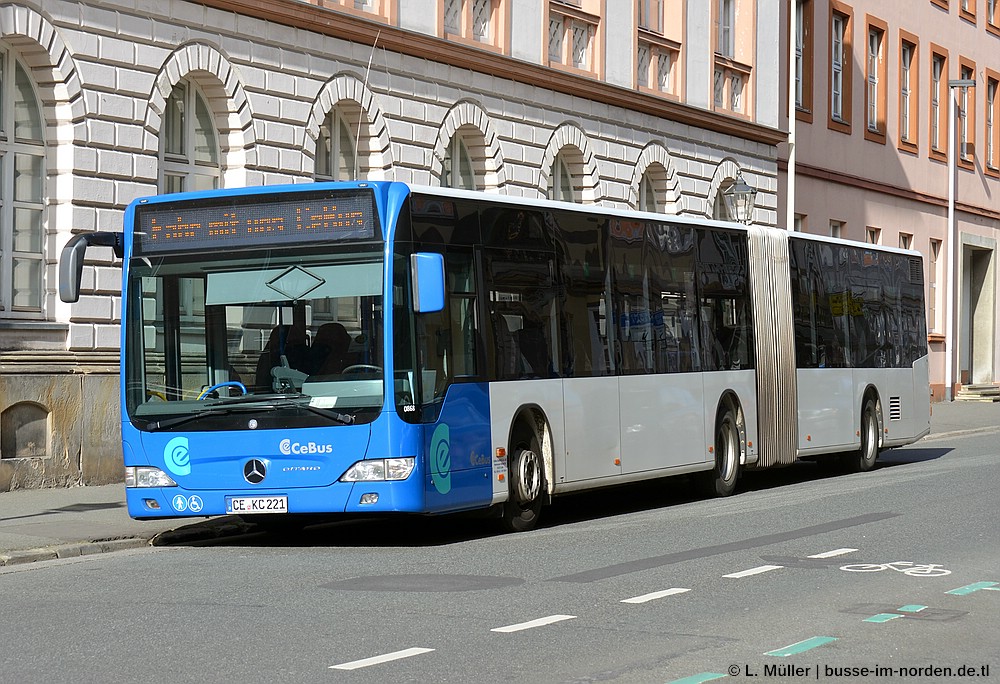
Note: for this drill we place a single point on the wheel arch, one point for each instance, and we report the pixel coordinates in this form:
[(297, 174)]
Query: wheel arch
[(871, 392), (531, 421), (729, 400)]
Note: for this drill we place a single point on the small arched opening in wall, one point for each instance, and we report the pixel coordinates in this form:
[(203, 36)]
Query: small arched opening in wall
[(347, 102), (725, 175), (655, 185), (24, 431), (467, 153), (569, 168)]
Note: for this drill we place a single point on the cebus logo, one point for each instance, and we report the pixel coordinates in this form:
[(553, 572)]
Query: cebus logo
[(176, 456), (288, 447)]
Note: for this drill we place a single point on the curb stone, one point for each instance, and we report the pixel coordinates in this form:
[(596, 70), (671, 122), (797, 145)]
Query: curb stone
[(70, 551)]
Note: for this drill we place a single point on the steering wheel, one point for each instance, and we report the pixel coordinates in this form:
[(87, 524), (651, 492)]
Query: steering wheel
[(362, 368), (232, 383)]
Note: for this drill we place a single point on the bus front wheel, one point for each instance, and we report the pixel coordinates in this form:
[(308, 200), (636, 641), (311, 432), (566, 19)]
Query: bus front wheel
[(721, 480), (527, 482)]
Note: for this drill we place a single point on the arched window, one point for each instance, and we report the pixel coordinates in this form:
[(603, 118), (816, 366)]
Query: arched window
[(335, 157), (22, 190), (647, 194), (457, 171), (189, 142), (561, 182)]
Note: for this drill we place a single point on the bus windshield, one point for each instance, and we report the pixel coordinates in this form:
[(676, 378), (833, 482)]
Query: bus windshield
[(213, 336)]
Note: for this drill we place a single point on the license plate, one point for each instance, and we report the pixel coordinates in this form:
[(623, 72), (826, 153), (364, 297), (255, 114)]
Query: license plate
[(247, 505)]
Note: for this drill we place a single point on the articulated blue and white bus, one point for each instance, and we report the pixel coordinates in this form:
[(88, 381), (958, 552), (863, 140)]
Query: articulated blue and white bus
[(373, 348)]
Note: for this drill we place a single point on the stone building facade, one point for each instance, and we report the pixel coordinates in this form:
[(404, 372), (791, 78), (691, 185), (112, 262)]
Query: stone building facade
[(659, 106)]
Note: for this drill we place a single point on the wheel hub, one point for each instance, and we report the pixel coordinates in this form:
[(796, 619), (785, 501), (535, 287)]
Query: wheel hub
[(528, 476)]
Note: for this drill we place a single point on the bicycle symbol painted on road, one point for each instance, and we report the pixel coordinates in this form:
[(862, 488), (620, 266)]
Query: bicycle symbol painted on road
[(905, 567)]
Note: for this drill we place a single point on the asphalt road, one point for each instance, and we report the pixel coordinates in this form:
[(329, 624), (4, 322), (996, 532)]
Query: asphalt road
[(785, 582)]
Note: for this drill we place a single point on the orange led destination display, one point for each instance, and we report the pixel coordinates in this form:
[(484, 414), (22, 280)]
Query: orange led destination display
[(254, 220)]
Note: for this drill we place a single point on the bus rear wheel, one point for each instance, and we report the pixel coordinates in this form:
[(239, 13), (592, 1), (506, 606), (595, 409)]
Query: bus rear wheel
[(527, 482), (863, 459), (721, 480)]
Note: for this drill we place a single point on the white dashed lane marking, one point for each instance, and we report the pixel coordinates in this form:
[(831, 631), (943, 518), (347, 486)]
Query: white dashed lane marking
[(833, 554), (377, 660), (754, 571), (531, 624), (655, 595)]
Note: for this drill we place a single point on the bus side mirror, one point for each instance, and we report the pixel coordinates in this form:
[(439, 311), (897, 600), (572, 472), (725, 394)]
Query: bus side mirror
[(71, 260), (427, 269)]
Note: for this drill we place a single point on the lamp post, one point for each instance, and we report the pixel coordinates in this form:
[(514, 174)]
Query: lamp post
[(740, 199), (951, 277)]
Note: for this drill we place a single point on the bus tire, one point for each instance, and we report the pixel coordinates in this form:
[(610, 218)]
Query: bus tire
[(721, 480), (526, 476), (863, 459)]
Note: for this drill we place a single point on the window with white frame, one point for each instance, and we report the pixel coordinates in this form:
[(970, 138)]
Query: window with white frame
[(992, 133), (189, 142), (873, 235), (965, 133), (836, 229), (933, 268), (905, 240), (906, 99), (874, 57), (727, 22), (22, 191), (651, 15), (937, 84), (800, 46), (335, 152), (457, 170), (837, 56)]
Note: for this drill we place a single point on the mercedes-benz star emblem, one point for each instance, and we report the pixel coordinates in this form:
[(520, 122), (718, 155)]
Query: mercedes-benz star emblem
[(254, 471)]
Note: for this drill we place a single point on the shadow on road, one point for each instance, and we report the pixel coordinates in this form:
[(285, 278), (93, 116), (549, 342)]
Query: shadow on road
[(410, 531)]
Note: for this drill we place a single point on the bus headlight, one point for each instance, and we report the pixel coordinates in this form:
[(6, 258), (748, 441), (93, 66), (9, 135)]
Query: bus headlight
[(377, 469), (147, 476)]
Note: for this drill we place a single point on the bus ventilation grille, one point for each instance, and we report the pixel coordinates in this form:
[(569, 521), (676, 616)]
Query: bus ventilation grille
[(895, 408), (916, 272)]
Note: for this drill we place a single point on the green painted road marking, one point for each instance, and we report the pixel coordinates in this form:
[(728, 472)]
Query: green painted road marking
[(882, 617), (969, 588), (698, 678), (912, 608), (801, 646)]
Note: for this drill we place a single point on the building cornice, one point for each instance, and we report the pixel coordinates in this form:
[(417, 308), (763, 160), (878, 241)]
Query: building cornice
[(347, 27), (885, 189)]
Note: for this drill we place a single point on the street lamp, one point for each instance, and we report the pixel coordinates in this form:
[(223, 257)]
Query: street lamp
[(950, 278), (740, 199)]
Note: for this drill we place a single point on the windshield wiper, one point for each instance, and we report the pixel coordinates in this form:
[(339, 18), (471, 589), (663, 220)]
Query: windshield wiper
[(248, 403), (180, 420), (285, 400)]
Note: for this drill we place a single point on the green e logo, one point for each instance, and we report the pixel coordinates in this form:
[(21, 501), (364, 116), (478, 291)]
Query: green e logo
[(440, 456)]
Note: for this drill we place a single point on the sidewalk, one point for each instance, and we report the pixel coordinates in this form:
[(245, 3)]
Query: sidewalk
[(44, 524)]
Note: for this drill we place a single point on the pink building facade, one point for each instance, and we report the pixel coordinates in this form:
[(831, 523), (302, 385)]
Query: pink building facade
[(871, 153)]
